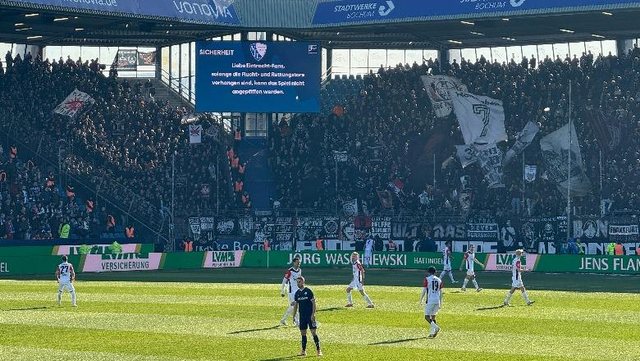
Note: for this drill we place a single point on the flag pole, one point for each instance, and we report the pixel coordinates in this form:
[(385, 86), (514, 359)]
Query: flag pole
[(569, 170), (524, 185), (601, 177)]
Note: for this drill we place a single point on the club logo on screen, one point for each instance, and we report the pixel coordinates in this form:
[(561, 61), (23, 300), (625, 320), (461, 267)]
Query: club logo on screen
[(313, 49), (258, 50)]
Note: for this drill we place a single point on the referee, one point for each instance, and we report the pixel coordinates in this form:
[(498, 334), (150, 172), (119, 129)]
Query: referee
[(306, 303)]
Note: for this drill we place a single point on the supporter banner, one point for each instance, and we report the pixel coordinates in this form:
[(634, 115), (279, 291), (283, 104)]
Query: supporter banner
[(358, 11), (524, 138), (589, 264), (222, 259), (466, 154), (145, 59), (406, 229), (438, 87), (240, 244), (481, 118), (490, 159), (555, 151), (590, 229), (381, 227), (123, 262), (74, 103), (202, 229), (100, 249), (504, 262), (127, 59), (449, 230), (312, 228), (623, 232), (483, 230), (197, 11), (546, 229), (350, 208)]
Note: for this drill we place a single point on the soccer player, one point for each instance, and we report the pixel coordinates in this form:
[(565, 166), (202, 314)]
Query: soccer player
[(357, 281), (65, 276), (291, 286), (368, 251), (305, 302), (446, 260), (433, 290), (469, 260), (516, 280)]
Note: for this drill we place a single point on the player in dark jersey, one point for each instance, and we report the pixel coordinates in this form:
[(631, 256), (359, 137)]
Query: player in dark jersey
[(305, 303)]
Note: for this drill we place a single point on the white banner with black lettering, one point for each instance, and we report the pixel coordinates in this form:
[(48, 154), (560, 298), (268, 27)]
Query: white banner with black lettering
[(75, 102), (195, 133), (524, 138), (466, 154), (481, 118), (530, 172), (438, 87), (490, 159), (555, 151)]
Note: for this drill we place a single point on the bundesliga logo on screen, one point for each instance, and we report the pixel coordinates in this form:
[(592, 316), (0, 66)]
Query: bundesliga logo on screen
[(258, 50)]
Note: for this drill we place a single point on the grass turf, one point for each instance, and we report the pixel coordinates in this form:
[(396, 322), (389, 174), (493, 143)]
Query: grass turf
[(233, 315)]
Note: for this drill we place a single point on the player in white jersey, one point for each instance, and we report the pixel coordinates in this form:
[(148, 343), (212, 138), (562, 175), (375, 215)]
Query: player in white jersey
[(432, 288), (290, 285), (446, 260), (357, 281), (516, 279), (65, 276), (368, 251), (469, 261)]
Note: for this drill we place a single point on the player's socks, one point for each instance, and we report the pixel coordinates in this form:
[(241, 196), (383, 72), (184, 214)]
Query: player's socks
[(349, 299), (73, 298), (526, 297), (508, 298), (304, 343), (316, 340), (59, 298), (366, 298), (475, 284), (451, 277), (464, 284)]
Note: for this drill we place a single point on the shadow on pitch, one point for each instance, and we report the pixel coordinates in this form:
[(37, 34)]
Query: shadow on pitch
[(397, 341), (253, 330), (27, 308), (330, 309), (490, 308), (282, 358)]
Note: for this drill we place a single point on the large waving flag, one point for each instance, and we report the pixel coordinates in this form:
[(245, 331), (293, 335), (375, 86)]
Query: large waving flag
[(76, 102), (481, 118)]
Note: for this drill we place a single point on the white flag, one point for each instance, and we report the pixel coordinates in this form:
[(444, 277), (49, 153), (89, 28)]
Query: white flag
[(74, 103), (530, 172), (525, 137), (490, 159), (555, 151), (350, 208), (481, 118), (438, 87), (466, 155), (195, 133)]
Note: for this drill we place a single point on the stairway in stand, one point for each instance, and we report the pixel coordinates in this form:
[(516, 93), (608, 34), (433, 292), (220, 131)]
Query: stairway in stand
[(259, 179)]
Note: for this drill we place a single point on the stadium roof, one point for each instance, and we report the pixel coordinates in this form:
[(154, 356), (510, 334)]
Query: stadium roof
[(56, 24)]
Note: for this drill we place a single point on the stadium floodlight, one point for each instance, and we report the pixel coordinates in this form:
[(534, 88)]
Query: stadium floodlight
[(476, 33), (567, 31), (508, 38), (79, 29), (60, 19), (31, 15), (24, 29), (455, 42), (597, 36), (20, 24), (467, 22), (547, 109), (505, 19), (607, 13), (34, 37)]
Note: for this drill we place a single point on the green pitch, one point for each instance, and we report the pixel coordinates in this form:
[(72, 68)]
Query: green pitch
[(205, 316)]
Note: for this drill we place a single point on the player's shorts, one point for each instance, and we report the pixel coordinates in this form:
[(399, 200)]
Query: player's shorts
[(66, 285), (356, 285), (431, 309), (306, 323), (471, 273), (516, 283)]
